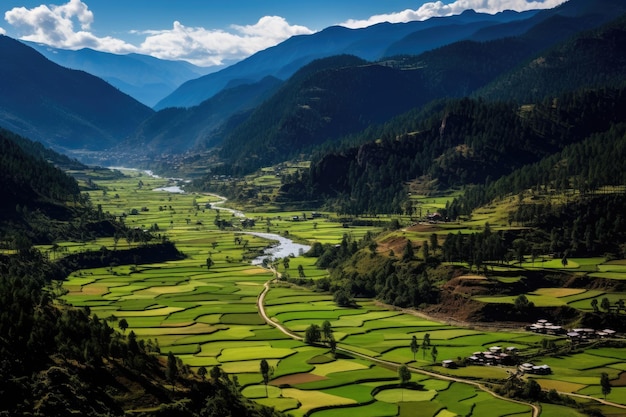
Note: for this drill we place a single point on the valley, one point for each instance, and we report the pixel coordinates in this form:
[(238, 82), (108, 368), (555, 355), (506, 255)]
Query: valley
[(208, 317), (419, 218)]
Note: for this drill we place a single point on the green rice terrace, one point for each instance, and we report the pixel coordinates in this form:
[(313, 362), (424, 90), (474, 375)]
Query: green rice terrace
[(204, 310)]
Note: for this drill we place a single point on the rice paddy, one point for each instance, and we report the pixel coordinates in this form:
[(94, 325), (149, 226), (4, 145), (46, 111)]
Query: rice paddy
[(208, 317)]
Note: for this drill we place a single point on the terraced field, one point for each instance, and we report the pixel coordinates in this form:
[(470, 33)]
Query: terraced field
[(208, 317)]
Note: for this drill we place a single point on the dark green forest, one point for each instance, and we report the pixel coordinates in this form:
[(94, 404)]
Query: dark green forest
[(501, 146)]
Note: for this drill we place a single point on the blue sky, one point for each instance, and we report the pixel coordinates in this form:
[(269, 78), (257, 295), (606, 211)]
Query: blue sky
[(209, 32)]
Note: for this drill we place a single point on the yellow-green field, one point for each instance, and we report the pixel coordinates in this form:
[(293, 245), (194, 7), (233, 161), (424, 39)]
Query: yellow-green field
[(208, 317)]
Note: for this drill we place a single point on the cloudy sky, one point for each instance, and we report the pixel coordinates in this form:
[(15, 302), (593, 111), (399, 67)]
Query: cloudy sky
[(209, 32)]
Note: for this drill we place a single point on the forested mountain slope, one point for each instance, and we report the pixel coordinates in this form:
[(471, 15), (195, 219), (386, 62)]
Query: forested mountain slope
[(29, 180), (458, 143), (592, 59), (180, 129)]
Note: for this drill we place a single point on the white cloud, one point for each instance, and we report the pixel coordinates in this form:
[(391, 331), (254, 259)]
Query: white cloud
[(438, 8), (209, 47), (68, 26), (56, 26), (2, 31)]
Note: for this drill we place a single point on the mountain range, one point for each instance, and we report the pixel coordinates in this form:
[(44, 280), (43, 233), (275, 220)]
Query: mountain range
[(305, 93), (371, 43), (143, 77)]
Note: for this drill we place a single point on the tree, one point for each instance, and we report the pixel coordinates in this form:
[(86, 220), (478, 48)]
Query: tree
[(123, 325), (532, 390), (434, 242), (434, 353), (171, 372), (265, 373), (327, 330), (333, 344), (408, 254), (425, 250), (414, 346), (520, 246), (425, 344), (301, 271), (522, 304), (605, 383), (405, 376), (216, 373), (209, 262), (312, 334), (202, 372), (372, 246), (594, 305), (342, 298), (605, 304)]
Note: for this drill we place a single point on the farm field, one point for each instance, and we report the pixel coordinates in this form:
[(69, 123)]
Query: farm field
[(208, 317)]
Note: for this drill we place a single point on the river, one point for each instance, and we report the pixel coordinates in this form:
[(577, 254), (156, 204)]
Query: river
[(284, 246)]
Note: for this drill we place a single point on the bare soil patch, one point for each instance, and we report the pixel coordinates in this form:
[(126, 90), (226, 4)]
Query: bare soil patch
[(620, 381), (297, 379)]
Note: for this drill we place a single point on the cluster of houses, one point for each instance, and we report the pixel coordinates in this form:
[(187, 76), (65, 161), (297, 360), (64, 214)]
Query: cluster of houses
[(529, 368), (499, 356), (494, 356), (545, 327)]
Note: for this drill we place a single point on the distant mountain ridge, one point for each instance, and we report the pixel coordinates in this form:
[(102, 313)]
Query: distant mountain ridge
[(284, 59), (179, 129), (62, 108), (143, 77)]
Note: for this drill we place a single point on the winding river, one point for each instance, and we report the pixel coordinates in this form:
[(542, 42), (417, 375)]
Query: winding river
[(282, 248)]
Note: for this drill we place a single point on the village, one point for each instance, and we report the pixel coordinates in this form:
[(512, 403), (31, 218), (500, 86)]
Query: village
[(498, 356)]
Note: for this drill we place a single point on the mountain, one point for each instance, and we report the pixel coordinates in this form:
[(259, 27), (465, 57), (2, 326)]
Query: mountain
[(586, 13), (326, 99), (560, 125), (590, 60), (145, 78), (34, 192), (180, 129), (63, 108), (284, 59), (322, 104)]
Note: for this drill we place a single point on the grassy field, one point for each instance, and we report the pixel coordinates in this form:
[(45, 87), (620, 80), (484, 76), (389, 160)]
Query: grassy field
[(208, 316)]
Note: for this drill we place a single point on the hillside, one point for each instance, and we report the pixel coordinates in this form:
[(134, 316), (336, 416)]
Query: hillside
[(592, 59), (473, 141), (29, 183), (62, 108), (180, 129)]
